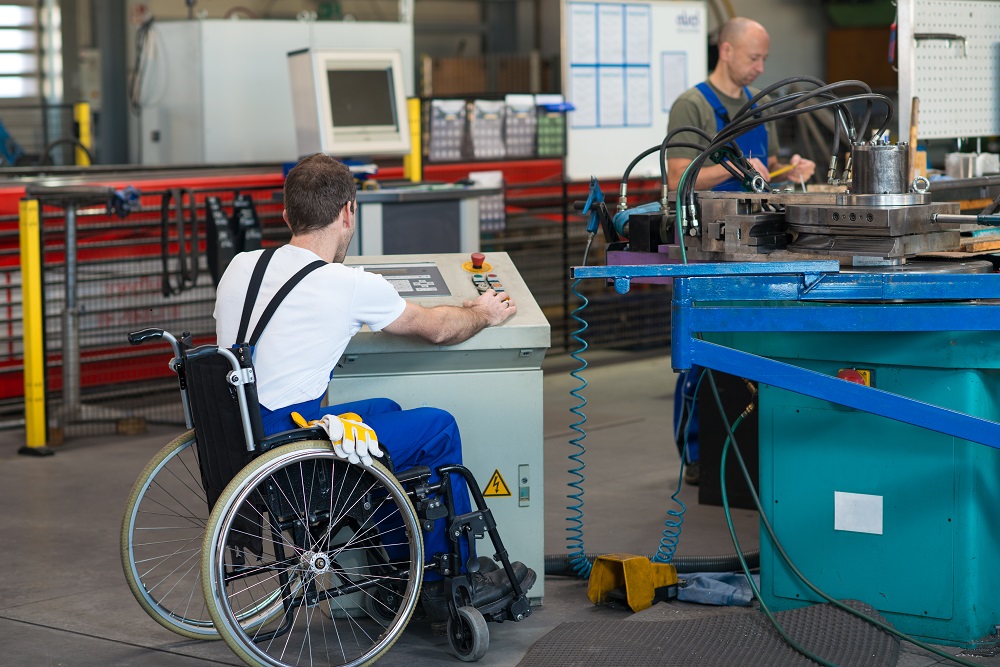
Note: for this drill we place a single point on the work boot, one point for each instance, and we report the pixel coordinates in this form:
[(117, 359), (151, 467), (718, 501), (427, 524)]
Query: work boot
[(692, 473), (490, 587)]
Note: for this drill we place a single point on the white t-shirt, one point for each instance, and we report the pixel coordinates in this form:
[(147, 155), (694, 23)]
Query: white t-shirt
[(310, 329)]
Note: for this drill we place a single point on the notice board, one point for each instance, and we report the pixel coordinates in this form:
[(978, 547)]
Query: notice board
[(624, 64)]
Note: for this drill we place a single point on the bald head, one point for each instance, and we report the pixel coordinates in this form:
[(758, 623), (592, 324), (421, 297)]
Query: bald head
[(735, 29), (743, 48)]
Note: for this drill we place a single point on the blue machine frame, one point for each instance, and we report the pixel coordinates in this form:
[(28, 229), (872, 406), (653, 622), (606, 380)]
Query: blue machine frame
[(714, 297), (925, 502)]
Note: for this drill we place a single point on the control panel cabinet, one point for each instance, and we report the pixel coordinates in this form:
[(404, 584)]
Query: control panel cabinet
[(492, 384)]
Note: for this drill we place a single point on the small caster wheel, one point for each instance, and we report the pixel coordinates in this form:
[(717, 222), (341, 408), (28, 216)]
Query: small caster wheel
[(468, 635)]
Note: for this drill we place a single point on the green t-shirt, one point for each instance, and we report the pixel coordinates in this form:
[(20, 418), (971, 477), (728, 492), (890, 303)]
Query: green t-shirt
[(691, 108)]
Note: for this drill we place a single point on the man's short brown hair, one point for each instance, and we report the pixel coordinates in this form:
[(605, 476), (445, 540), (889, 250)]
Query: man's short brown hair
[(316, 190)]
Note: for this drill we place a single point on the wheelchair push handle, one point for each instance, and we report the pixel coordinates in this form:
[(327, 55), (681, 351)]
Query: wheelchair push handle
[(140, 337)]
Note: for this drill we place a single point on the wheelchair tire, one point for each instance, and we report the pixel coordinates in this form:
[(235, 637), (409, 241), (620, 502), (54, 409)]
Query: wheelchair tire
[(468, 635), (162, 535), (161, 538), (316, 517)]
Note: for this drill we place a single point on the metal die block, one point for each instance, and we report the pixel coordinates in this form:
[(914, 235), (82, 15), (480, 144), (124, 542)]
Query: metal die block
[(762, 231), (867, 220), (644, 231)]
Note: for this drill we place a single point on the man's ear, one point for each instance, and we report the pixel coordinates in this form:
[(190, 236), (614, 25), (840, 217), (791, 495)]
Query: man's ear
[(284, 216)]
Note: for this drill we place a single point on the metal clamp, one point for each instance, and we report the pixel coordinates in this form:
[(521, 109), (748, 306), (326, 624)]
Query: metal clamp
[(240, 377), (943, 36)]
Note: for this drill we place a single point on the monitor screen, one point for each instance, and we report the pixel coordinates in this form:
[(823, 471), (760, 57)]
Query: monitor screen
[(361, 97), (349, 103)]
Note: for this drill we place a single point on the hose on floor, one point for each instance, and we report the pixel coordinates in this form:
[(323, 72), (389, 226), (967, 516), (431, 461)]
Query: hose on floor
[(559, 565)]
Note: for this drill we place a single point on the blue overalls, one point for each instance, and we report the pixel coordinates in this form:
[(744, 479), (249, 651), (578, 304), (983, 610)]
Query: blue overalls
[(420, 436), (753, 144)]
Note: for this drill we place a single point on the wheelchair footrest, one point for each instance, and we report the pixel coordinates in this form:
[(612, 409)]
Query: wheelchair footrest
[(507, 608)]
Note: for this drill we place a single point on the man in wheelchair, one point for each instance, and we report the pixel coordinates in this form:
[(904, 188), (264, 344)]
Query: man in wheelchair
[(299, 345)]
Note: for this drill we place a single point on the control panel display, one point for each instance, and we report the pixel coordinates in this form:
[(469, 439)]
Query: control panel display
[(417, 279)]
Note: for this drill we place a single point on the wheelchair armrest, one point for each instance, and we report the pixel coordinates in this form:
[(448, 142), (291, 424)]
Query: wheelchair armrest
[(413, 474), (317, 433), (294, 435)]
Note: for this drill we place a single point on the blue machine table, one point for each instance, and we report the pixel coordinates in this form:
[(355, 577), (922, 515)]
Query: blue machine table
[(883, 493)]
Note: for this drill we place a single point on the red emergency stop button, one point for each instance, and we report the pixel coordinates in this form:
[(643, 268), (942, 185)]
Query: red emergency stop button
[(856, 376), (477, 260)]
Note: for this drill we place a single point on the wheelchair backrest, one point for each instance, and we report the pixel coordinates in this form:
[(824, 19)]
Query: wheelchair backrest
[(226, 440)]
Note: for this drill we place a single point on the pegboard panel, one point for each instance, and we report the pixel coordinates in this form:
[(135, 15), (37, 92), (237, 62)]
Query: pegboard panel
[(949, 58)]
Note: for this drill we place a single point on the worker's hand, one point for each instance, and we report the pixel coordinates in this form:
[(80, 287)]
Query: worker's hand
[(802, 169), (759, 166), (495, 306)]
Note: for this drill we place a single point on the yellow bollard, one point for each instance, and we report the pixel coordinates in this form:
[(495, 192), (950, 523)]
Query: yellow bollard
[(84, 134), (35, 426), (413, 162)]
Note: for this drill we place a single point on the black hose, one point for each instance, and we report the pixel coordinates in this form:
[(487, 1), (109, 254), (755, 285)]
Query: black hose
[(76, 143), (559, 564)]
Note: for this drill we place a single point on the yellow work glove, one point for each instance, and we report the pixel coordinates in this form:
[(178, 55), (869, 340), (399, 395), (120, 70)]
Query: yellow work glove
[(352, 439)]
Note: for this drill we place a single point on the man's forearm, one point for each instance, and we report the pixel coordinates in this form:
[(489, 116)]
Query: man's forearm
[(456, 324)]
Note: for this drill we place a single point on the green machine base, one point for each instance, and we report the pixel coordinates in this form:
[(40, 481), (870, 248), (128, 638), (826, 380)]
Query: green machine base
[(877, 510)]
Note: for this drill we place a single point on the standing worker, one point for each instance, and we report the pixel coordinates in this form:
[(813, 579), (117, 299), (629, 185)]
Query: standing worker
[(743, 48)]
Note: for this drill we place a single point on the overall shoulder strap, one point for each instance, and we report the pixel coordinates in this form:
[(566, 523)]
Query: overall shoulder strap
[(252, 290), (721, 115), (280, 296)]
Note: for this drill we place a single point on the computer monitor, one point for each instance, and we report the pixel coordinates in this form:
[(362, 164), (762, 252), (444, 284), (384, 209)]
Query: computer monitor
[(349, 103)]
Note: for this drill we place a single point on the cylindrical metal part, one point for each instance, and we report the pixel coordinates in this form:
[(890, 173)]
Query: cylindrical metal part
[(71, 325), (880, 169), (954, 219)]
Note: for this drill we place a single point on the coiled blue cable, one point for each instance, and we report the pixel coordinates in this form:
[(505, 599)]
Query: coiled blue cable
[(577, 555), (672, 525)]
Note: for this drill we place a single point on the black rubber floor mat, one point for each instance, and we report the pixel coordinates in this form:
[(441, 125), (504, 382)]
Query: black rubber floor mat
[(730, 640)]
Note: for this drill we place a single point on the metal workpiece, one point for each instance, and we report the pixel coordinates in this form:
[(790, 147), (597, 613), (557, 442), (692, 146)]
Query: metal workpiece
[(904, 199), (741, 226), (946, 218), (880, 169), (892, 247)]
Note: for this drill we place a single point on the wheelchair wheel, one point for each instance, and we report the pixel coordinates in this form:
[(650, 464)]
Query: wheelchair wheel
[(162, 536), (161, 539), (468, 635), (333, 540)]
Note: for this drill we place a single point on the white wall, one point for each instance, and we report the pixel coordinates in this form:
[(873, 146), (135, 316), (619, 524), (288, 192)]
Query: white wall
[(798, 37)]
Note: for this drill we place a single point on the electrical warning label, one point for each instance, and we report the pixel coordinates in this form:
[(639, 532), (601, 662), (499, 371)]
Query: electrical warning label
[(496, 486)]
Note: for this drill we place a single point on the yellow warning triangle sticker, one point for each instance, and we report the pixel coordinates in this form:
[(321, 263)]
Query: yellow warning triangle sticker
[(496, 486)]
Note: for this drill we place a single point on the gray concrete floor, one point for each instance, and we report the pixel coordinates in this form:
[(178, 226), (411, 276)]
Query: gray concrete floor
[(64, 600)]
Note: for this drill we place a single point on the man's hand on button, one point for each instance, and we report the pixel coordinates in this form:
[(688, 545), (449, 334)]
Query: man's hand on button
[(497, 307)]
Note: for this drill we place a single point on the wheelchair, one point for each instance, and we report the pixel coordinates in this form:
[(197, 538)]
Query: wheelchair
[(287, 552)]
